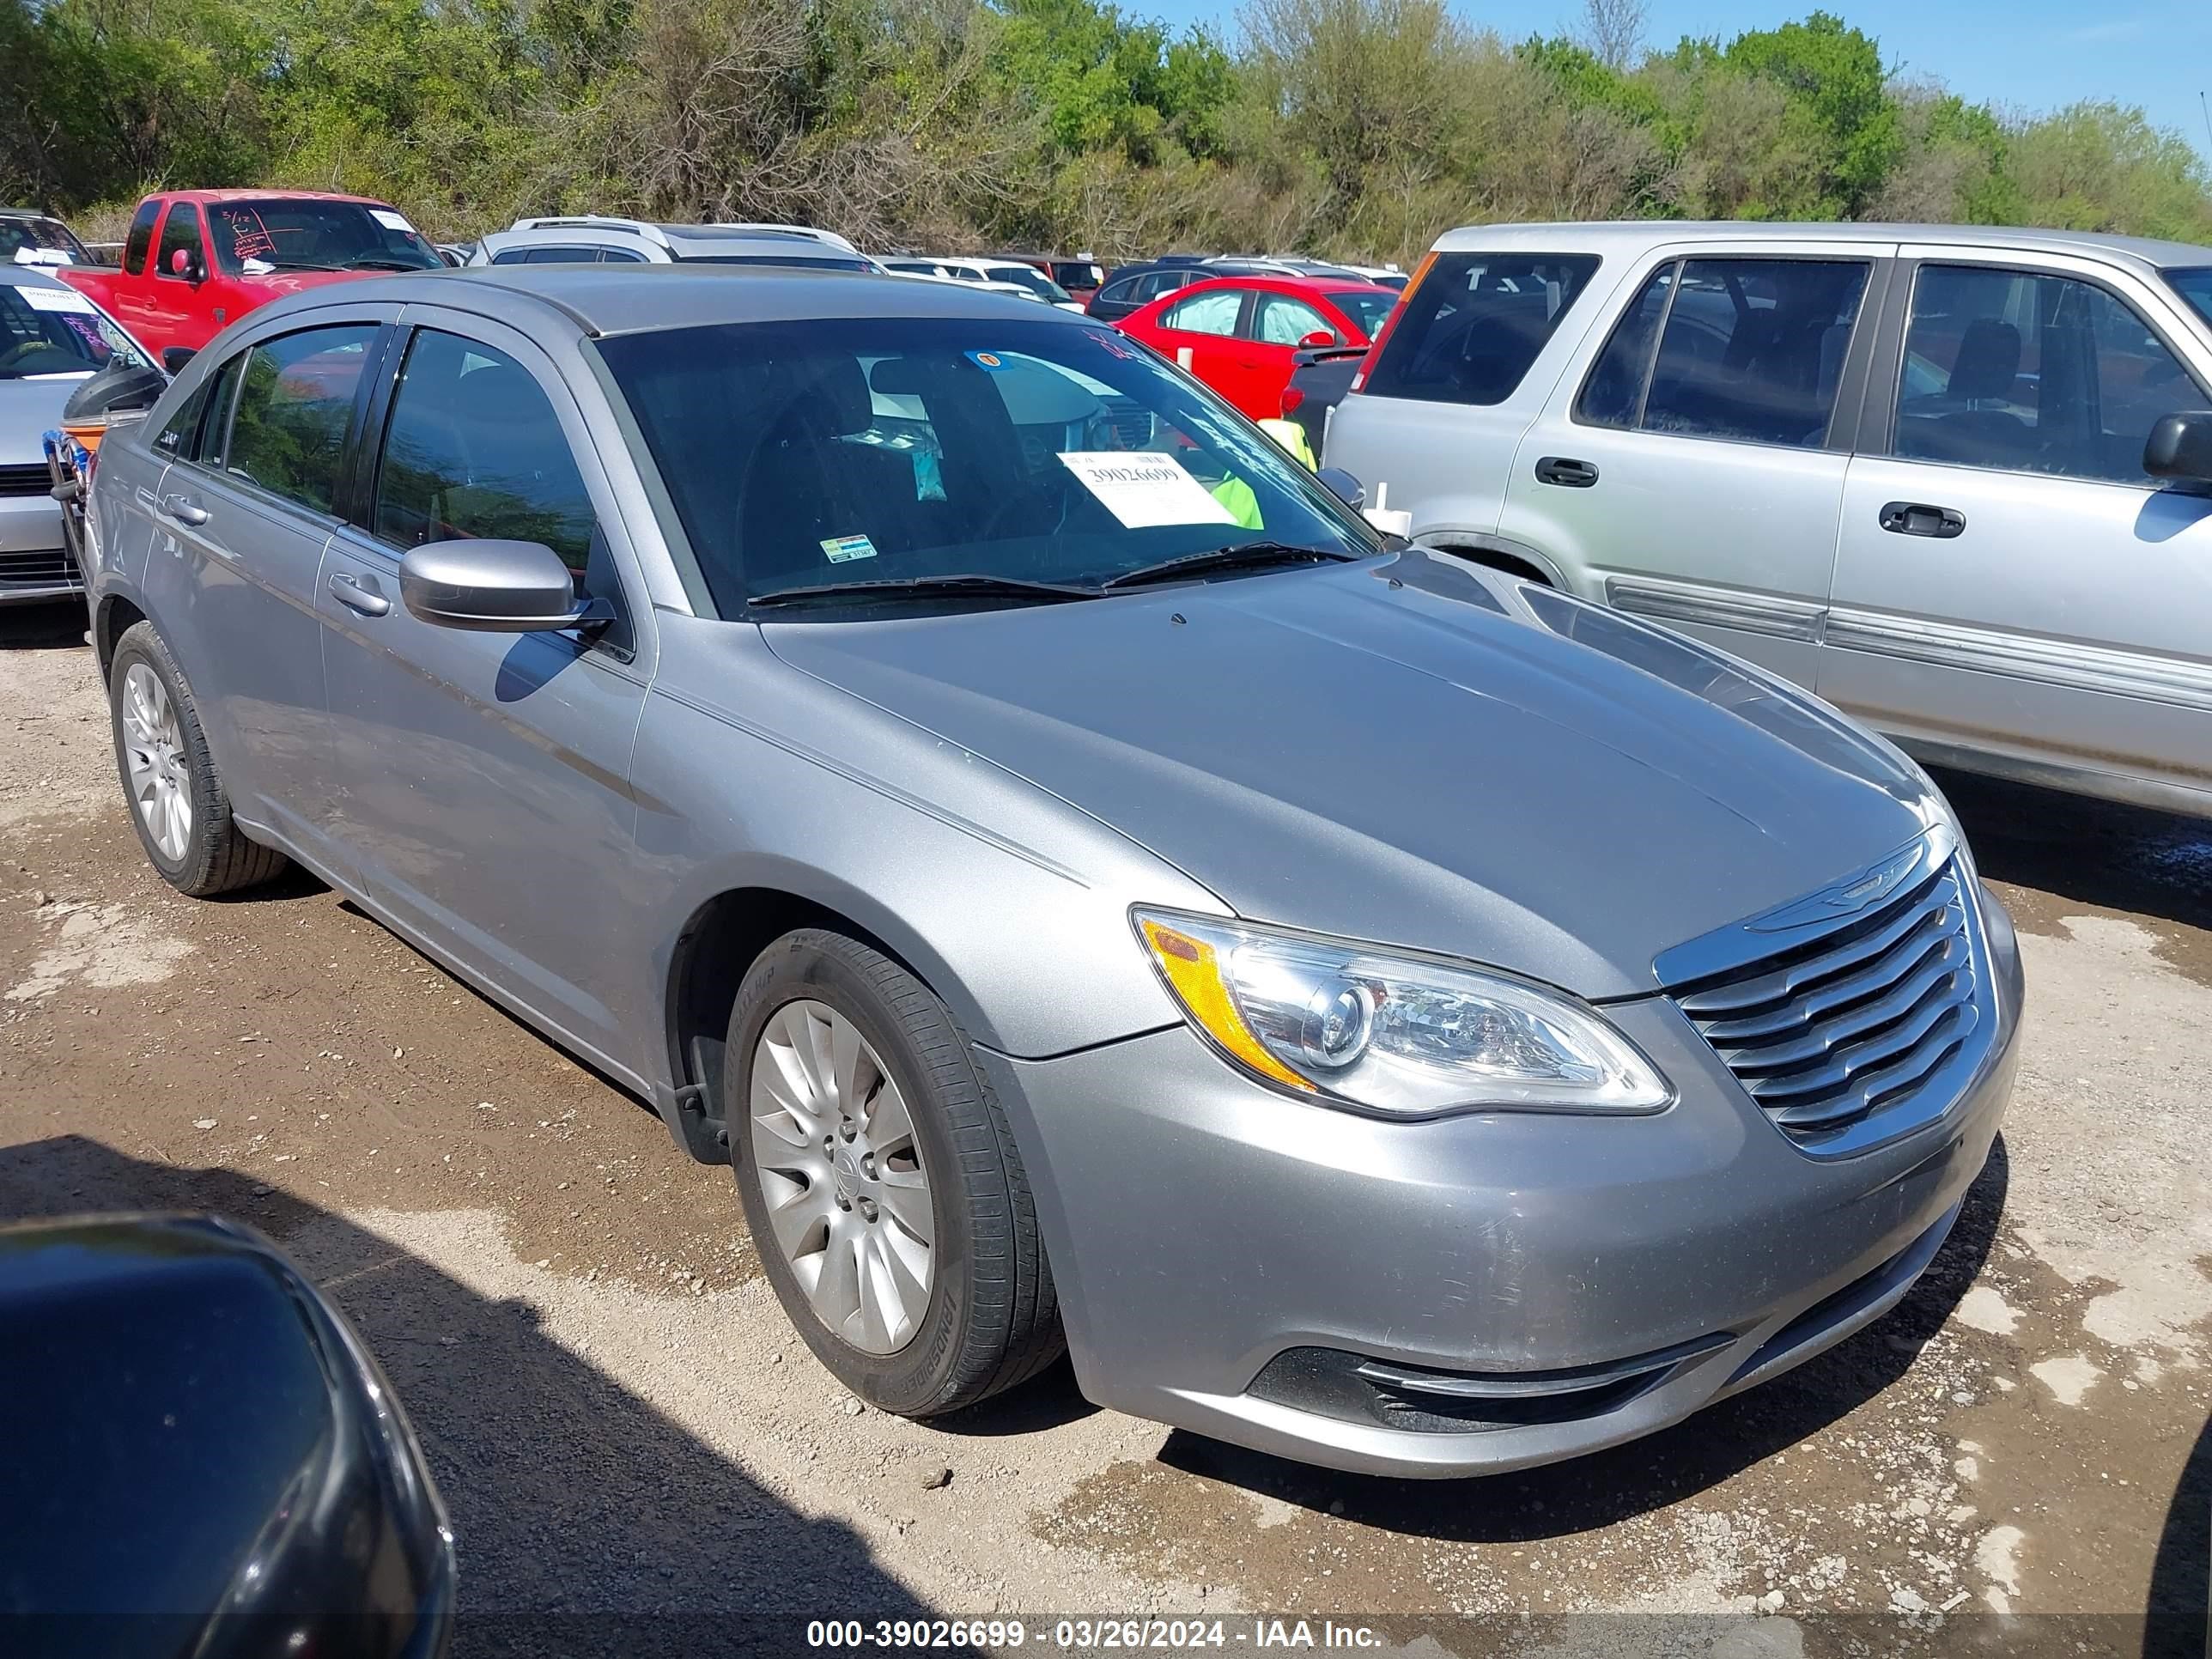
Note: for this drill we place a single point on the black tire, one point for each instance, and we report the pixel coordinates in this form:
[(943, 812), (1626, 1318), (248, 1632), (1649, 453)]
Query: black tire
[(218, 856), (993, 1320)]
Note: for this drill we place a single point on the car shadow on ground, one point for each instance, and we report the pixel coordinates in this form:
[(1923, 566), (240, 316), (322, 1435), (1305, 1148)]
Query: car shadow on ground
[(2117, 857), (588, 1521), (1562, 1499), (2180, 1623), (42, 627)]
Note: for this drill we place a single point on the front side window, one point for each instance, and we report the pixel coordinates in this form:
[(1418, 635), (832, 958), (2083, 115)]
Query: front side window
[(1749, 351), (180, 234), (473, 449), (837, 451), (1281, 320), (2032, 373), (1214, 312), (140, 241), (253, 237), (1472, 326), (55, 333), (295, 400)]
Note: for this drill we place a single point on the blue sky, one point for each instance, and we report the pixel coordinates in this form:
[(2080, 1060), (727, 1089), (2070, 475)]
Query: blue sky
[(2029, 54)]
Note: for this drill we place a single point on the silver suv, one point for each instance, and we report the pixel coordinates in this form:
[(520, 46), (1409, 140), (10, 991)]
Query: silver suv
[(593, 239), (1955, 481)]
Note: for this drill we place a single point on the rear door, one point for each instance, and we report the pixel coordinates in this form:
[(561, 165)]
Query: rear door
[(243, 515), (1272, 327), (1203, 332), (2010, 584), (483, 794), (1689, 465)]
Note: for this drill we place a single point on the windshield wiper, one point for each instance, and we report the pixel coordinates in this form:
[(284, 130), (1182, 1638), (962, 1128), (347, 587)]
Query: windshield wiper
[(1243, 555), (384, 262), (972, 585)]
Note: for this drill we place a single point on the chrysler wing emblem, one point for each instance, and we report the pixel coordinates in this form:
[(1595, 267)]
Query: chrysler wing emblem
[(1857, 892)]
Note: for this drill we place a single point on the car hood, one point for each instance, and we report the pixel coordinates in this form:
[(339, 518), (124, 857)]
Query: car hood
[(28, 410), (1401, 750)]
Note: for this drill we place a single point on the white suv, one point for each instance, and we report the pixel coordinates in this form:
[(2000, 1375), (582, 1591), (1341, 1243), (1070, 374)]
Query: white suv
[(1958, 481), (592, 240)]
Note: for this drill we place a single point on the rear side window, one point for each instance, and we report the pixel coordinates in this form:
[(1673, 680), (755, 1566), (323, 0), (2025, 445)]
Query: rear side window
[(1211, 312), (294, 404), (474, 449), (1749, 351), (1471, 327), (140, 241)]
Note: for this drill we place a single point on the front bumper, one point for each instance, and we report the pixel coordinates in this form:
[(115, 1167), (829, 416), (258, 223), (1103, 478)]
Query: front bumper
[(35, 562), (1202, 1227)]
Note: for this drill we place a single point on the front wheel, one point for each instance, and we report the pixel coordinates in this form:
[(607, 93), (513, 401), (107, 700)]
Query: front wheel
[(880, 1182)]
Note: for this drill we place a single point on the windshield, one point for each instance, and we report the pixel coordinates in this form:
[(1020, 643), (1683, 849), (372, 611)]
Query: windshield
[(277, 234), (1028, 276), (55, 333), (2195, 287), (21, 240), (1366, 307), (889, 448)]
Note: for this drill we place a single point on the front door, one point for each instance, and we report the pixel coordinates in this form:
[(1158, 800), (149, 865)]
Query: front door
[(243, 515), (483, 778), (173, 313), (2009, 582), (1694, 465)]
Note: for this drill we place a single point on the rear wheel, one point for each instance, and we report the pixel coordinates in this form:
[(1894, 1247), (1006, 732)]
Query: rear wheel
[(178, 804), (880, 1182)]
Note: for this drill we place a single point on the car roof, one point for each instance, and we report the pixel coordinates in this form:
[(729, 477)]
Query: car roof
[(1633, 236), (1268, 281), (206, 197), (29, 213), (627, 299), (31, 276)]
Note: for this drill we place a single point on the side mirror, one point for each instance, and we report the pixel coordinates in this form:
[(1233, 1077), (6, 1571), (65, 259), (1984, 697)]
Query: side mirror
[(181, 264), (204, 1447), (2181, 447), (1342, 485), (173, 358), (493, 587), (1320, 336)]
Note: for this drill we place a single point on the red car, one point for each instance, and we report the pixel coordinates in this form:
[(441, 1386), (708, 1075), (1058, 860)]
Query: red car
[(1238, 333), (197, 260)]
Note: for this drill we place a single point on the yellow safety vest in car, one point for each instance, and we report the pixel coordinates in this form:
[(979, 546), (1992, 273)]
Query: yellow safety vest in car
[(1293, 437)]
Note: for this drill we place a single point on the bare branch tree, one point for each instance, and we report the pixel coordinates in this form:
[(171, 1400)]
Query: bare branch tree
[(1614, 31)]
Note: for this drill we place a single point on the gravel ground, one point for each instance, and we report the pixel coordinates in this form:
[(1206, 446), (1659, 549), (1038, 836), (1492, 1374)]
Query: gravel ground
[(640, 1456)]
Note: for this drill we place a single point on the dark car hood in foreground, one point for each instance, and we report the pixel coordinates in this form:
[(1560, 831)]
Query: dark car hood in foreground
[(1428, 761)]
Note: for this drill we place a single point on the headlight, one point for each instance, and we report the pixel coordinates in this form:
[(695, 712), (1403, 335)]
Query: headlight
[(1352, 1026)]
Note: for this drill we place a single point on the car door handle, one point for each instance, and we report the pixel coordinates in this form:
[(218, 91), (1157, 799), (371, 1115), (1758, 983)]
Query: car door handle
[(1567, 474), (182, 511), (1918, 519), (349, 591)]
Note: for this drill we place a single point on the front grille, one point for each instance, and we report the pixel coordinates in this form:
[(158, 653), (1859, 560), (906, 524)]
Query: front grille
[(1844, 1029), (18, 569), (29, 478)]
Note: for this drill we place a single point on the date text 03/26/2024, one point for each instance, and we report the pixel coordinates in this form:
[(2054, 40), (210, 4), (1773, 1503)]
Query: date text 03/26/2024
[(1090, 1635)]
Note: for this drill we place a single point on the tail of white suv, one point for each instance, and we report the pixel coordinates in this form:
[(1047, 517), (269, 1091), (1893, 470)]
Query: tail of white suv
[(1958, 481)]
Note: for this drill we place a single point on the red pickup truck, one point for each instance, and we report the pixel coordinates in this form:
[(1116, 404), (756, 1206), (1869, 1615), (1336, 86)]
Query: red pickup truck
[(197, 260)]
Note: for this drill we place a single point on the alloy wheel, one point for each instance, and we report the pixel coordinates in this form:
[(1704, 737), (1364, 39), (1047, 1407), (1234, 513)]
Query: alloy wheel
[(154, 750), (848, 1194)]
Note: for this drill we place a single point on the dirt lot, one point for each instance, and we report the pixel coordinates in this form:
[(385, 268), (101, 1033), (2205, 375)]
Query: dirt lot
[(640, 1456)]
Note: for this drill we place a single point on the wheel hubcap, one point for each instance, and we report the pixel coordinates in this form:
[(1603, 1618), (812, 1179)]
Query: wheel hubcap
[(154, 752), (847, 1194)]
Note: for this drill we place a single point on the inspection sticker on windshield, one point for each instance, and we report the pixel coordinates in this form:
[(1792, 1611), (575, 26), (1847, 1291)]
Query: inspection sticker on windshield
[(843, 548), (1143, 489), (990, 360), (56, 299), (390, 220)]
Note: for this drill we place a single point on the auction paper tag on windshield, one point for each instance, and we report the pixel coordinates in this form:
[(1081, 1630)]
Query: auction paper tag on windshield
[(1143, 489), (390, 220), (56, 299), (843, 548)]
